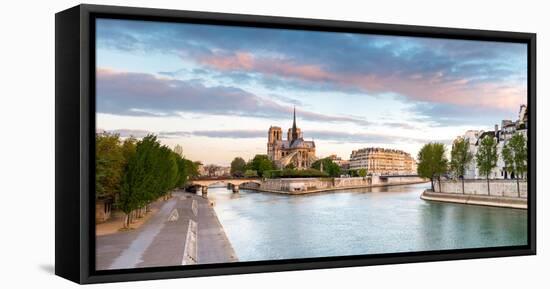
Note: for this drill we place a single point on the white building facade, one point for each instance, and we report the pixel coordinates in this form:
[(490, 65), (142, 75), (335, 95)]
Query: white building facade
[(502, 135)]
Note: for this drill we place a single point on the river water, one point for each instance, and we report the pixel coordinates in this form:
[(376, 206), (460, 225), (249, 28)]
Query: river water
[(266, 226)]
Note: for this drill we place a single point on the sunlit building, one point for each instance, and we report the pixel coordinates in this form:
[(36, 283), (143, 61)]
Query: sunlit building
[(381, 161), (343, 164)]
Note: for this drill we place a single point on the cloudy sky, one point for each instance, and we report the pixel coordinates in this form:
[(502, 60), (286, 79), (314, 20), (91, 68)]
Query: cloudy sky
[(215, 90)]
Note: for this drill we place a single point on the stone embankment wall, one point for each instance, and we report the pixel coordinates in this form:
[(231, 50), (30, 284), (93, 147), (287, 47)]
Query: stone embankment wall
[(502, 188), (308, 185)]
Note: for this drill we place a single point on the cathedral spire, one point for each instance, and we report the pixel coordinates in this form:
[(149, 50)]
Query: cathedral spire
[(294, 119), (294, 129)]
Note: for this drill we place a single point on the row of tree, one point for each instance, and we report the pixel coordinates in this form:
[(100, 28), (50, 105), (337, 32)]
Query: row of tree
[(294, 173), (262, 166), (433, 163), (253, 168), (328, 166), (135, 173)]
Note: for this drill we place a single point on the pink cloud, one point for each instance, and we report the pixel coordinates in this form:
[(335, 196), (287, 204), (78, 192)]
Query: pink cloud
[(240, 60), (275, 66), (433, 88)]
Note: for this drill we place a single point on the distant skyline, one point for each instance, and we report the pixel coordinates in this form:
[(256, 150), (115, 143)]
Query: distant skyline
[(216, 90)]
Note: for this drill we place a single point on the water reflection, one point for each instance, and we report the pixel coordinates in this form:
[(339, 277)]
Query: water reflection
[(263, 226)]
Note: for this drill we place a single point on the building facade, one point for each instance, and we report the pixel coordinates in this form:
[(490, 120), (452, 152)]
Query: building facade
[(471, 136), (294, 151), (502, 135), (381, 161), (343, 164)]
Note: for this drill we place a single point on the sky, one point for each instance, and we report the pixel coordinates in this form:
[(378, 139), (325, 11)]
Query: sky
[(216, 90)]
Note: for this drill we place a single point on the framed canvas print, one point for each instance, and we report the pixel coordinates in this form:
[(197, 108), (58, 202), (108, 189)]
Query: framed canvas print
[(196, 144)]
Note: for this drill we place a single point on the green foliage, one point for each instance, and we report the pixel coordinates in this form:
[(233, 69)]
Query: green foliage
[(141, 182), (351, 173), (251, 174), (486, 156), (182, 172), (128, 149), (328, 166), (167, 170), (136, 173), (110, 163), (514, 154), (362, 172), (292, 173), (355, 173), (238, 167), (307, 173), (460, 157), (432, 161), (192, 168), (260, 163), (186, 170), (272, 174), (151, 171)]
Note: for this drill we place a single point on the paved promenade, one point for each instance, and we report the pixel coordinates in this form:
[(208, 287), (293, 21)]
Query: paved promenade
[(185, 230)]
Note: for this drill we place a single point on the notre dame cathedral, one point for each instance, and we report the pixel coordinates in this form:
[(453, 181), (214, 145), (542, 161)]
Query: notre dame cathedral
[(294, 151)]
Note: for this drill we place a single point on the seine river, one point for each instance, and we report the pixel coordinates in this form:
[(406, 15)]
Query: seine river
[(265, 226)]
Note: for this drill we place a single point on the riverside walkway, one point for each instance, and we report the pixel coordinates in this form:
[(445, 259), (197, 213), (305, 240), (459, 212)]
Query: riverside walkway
[(184, 231)]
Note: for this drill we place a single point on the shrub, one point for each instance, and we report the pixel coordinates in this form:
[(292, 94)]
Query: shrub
[(251, 174), (308, 173), (272, 174)]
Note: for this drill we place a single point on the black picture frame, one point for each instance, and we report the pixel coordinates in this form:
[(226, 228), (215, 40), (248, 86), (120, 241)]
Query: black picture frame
[(75, 131)]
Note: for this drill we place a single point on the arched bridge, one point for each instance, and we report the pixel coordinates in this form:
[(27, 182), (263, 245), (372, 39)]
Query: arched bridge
[(233, 183)]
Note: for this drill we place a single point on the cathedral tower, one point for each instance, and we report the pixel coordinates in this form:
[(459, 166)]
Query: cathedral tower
[(274, 139), (275, 133)]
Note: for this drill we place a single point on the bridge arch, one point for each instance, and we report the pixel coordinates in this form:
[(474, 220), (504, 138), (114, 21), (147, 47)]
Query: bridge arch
[(233, 183)]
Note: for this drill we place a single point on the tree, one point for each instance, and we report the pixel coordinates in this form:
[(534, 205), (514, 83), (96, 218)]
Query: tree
[(460, 158), (328, 166), (167, 171), (238, 166), (432, 162), (352, 173), (251, 174), (137, 173), (186, 170), (140, 183), (486, 158), (109, 165), (192, 168), (182, 172), (514, 154), (260, 163), (128, 149), (362, 172), (305, 173)]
